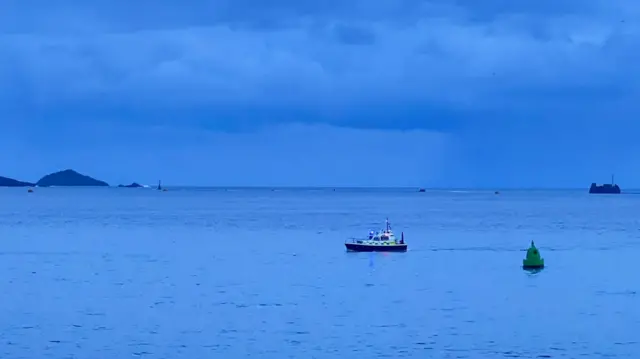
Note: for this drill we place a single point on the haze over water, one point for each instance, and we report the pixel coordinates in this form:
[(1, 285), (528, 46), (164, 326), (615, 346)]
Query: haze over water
[(240, 273)]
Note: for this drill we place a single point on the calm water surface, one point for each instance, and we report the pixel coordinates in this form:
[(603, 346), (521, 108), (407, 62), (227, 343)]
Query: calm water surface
[(121, 273)]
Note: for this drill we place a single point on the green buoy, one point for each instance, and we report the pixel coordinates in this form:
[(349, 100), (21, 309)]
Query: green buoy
[(533, 259)]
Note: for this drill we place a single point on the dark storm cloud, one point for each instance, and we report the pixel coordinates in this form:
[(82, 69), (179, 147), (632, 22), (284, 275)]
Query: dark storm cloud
[(439, 65)]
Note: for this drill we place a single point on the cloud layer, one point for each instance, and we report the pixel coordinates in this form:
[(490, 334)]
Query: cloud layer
[(501, 92), (440, 65)]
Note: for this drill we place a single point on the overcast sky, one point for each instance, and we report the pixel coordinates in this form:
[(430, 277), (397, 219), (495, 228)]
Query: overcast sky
[(297, 92)]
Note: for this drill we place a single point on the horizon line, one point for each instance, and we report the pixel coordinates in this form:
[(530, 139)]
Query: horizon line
[(416, 188)]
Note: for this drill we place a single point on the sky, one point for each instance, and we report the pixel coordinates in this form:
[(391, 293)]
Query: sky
[(442, 93)]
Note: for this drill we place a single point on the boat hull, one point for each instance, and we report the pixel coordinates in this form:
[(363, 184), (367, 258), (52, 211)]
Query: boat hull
[(604, 189), (357, 247)]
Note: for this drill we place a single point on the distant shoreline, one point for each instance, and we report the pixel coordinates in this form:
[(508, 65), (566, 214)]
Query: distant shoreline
[(339, 188), (64, 178), (71, 178)]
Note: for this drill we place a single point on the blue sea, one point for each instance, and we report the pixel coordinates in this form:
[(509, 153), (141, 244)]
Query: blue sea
[(262, 273)]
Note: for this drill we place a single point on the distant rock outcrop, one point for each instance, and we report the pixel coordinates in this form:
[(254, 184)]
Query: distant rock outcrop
[(133, 185), (10, 182), (69, 178)]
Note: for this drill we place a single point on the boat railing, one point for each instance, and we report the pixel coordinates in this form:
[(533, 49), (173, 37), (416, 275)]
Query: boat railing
[(363, 240), (354, 240)]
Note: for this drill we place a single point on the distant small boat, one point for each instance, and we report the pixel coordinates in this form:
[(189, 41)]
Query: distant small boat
[(382, 241), (606, 188), (422, 190)]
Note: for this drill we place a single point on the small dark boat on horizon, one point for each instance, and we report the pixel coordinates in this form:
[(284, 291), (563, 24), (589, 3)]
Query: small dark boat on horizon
[(382, 241), (606, 188)]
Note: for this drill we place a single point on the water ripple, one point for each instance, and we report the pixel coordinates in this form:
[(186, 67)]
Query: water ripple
[(241, 273)]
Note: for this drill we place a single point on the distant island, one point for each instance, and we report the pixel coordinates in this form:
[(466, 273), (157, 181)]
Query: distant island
[(66, 178), (10, 182), (69, 178), (133, 185)]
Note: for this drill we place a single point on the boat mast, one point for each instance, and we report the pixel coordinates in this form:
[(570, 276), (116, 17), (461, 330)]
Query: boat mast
[(612, 182)]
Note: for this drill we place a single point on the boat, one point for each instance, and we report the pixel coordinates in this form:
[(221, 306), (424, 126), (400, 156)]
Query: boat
[(381, 241), (606, 188)]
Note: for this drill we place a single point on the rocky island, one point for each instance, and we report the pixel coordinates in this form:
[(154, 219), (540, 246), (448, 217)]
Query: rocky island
[(10, 182), (133, 185), (69, 178)]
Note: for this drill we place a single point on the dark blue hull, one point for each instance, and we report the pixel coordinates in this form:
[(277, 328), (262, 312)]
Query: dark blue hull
[(604, 189), (356, 247)]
